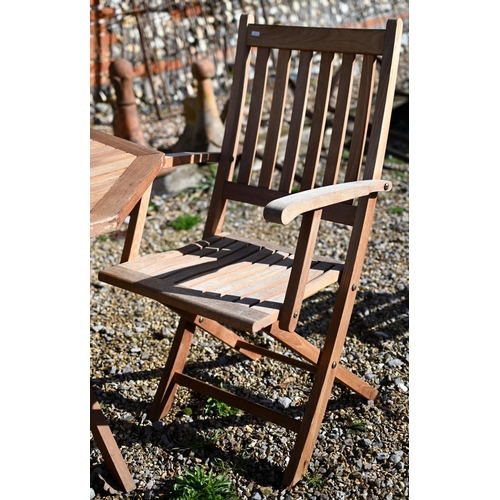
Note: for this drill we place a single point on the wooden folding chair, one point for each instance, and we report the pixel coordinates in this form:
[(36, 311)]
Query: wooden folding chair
[(226, 283)]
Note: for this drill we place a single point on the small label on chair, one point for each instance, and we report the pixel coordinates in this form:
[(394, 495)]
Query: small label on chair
[(255, 33)]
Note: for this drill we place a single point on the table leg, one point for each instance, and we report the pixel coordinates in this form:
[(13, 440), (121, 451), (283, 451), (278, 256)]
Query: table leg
[(108, 447), (136, 227)]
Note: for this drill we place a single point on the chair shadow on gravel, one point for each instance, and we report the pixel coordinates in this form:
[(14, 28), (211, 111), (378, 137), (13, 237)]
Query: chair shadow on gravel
[(377, 317), (202, 441), (206, 441)]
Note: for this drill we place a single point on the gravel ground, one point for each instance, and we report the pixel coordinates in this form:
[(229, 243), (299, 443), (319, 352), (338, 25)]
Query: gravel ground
[(362, 451), (363, 447)]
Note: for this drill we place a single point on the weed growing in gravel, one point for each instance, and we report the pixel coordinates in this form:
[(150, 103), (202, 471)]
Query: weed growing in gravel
[(355, 426), (185, 221), (208, 183), (315, 480), (153, 207), (196, 485), (238, 464), (216, 407), (397, 210)]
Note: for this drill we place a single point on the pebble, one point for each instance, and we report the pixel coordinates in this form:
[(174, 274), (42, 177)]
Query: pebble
[(284, 402), (394, 362)]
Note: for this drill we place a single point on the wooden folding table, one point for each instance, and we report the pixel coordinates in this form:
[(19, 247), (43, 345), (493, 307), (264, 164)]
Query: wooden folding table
[(121, 178)]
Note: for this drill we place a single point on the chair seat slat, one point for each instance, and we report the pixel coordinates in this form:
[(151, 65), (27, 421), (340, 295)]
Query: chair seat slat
[(256, 280), (227, 266), (244, 271)]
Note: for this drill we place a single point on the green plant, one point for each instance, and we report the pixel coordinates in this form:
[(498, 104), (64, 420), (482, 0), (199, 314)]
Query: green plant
[(217, 407), (238, 464), (315, 480), (207, 185), (214, 406), (152, 207), (395, 160), (192, 443), (356, 426), (397, 210), (218, 435), (196, 485), (185, 221)]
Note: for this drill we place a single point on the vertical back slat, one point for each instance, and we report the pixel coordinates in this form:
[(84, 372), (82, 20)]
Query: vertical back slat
[(254, 115), (361, 119), (318, 121), (275, 119), (340, 120), (297, 123), (384, 102), (230, 142), (261, 40)]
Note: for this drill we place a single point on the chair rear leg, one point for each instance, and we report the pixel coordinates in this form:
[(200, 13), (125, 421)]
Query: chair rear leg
[(176, 361)]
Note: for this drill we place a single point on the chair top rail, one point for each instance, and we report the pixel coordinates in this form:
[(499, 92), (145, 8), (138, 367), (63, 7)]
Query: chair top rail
[(340, 40)]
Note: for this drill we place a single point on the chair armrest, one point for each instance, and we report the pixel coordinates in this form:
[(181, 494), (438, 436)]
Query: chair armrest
[(284, 210), (173, 160)]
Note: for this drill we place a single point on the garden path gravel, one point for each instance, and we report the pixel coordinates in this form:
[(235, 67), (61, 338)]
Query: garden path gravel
[(362, 450)]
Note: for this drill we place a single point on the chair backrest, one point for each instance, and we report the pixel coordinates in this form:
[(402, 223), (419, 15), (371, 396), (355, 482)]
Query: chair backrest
[(335, 86)]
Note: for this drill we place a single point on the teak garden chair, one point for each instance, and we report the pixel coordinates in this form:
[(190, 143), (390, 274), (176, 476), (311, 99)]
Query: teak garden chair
[(226, 283)]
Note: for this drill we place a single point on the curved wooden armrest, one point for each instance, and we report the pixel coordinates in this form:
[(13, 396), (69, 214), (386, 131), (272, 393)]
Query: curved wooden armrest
[(284, 210), (173, 160)]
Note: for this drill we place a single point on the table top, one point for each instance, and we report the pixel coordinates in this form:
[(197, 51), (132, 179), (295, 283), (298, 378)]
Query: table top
[(120, 173)]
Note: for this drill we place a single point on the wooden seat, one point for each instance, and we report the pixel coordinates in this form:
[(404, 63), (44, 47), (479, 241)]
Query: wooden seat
[(228, 284)]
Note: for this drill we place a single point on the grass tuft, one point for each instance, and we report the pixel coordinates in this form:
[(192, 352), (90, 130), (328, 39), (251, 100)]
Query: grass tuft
[(198, 485)]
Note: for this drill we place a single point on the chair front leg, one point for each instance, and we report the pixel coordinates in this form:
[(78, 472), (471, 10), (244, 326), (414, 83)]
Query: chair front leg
[(334, 343), (322, 388), (176, 361)]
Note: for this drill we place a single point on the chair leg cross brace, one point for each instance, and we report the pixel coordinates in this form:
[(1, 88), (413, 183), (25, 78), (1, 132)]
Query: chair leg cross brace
[(326, 370)]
